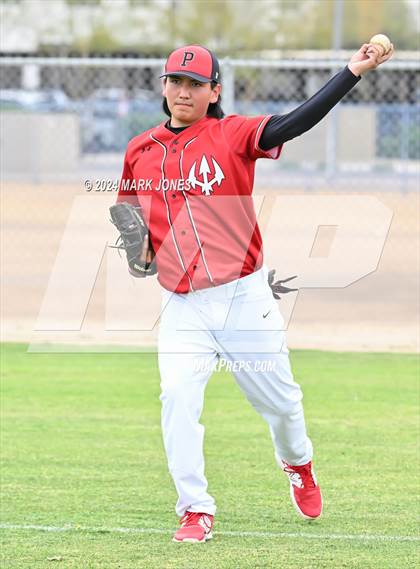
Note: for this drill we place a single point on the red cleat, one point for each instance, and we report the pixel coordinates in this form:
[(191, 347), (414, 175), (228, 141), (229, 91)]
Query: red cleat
[(304, 490), (195, 528)]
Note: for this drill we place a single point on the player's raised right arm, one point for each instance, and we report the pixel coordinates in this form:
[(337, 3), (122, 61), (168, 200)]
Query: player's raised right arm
[(281, 128)]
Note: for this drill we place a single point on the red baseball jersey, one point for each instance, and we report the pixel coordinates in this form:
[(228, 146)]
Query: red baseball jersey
[(195, 190)]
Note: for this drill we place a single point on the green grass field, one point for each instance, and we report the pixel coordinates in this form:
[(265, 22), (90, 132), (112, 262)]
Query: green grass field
[(82, 455)]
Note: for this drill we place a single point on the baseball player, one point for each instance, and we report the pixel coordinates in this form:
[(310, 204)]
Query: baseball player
[(192, 176)]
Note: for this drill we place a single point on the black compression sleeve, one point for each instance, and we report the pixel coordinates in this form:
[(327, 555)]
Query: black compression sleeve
[(280, 128)]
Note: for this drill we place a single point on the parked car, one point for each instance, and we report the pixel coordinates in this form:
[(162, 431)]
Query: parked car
[(110, 117), (38, 100)]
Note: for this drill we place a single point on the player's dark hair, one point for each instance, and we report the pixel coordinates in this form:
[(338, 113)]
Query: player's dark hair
[(214, 109)]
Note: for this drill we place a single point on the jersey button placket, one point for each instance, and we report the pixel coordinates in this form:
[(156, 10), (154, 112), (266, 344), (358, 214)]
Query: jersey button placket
[(172, 173)]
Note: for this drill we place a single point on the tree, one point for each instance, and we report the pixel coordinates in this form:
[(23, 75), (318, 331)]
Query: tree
[(229, 27), (309, 24), (246, 27)]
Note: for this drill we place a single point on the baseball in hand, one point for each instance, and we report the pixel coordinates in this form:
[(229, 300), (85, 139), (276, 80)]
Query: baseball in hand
[(383, 41)]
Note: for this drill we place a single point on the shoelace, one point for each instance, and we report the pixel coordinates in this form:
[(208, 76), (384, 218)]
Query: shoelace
[(190, 518), (301, 475), (196, 518)]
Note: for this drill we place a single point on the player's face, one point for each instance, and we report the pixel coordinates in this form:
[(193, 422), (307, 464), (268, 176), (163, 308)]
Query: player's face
[(187, 99)]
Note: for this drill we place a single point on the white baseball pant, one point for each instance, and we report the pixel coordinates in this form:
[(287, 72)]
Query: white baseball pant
[(240, 322)]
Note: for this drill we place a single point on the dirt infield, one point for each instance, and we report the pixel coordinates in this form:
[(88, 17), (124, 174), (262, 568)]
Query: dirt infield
[(379, 312)]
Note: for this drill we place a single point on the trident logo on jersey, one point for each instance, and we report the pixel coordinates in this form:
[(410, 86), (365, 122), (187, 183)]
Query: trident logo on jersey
[(204, 171)]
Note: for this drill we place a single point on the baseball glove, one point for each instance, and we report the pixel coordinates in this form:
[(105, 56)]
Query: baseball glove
[(133, 239), (277, 287)]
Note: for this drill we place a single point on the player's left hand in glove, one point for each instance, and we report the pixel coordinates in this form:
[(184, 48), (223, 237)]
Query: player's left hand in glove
[(134, 239), (277, 287)]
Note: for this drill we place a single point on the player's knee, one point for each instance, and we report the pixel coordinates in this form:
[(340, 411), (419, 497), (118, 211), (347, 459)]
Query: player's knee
[(179, 390), (172, 390), (277, 403)]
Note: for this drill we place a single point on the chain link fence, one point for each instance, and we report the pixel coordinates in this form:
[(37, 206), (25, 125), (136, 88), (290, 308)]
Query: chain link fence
[(66, 120), (70, 115)]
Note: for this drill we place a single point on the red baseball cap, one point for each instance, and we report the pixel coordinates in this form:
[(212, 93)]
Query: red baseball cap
[(193, 61)]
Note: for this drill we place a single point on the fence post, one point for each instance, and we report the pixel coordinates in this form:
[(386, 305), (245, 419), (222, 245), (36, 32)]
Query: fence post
[(31, 76), (332, 126), (228, 93), (331, 140)]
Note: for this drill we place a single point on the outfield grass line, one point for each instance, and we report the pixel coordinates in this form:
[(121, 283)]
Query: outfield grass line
[(263, 534)]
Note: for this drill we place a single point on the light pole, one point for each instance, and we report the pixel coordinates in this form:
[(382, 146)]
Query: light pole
[(332, 127)]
